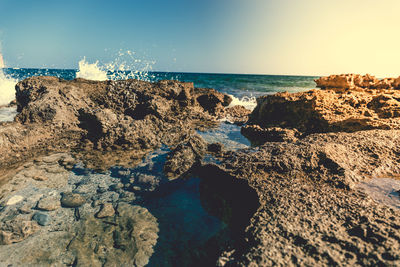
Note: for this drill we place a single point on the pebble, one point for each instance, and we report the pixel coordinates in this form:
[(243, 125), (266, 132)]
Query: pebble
[(106, 210), (42, 219), (26, 208), (71, 200), (49, 203), (14, 200)]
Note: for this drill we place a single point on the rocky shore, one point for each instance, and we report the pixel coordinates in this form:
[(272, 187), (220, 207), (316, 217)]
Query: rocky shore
[(72, 172)]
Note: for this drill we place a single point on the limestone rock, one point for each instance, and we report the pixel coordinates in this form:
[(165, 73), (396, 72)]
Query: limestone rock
[(329, 111), (16, 230)]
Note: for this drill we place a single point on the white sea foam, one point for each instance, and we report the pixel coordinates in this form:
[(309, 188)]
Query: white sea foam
[(248, 102), (7, 88), (91, 71)]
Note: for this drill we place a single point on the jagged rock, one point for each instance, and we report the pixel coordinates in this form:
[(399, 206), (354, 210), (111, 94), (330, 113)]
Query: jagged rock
[(16, 230), (212, 101), (184, 157), (237, 114), (215, 148), (329, 111), (356, 82), (308, 201), (132, 115)]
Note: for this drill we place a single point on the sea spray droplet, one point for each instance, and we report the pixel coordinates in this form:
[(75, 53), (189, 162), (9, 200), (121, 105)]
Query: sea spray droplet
[(124, 66)]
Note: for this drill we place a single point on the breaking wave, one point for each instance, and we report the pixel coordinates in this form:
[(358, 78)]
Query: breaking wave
[(7, 88), (248, 102)]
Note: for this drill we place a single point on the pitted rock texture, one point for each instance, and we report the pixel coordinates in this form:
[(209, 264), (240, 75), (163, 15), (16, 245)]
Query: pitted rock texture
[(131, 116), (310, 214), (356, 81), (318, 111)]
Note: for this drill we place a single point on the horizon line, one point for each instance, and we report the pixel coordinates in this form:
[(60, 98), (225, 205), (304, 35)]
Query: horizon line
[(183, 72)]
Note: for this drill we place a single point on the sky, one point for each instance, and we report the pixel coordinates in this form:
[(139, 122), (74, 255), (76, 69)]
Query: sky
[(290, 37)]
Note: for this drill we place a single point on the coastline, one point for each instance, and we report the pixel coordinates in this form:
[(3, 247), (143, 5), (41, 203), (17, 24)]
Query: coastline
[(310, 151)]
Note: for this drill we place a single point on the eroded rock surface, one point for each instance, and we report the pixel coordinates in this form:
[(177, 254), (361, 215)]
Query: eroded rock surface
[(132, 116), (317, 146), (346, 103), (309, 212)]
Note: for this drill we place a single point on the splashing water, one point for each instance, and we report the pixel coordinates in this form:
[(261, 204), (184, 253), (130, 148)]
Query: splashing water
[(124, 66), (7, 86), (127, 66), (91, 71), (249, 102)]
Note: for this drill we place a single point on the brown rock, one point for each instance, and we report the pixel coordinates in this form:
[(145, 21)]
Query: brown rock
[(106, 210), (49, 203), (16, 230), (57, 115), (184, 157), (329, 111), (273, 134), (71, 200), (237, 114)]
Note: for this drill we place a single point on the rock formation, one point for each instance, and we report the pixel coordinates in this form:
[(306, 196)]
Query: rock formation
[(346, 103), (316, 148), (293, 200), (131, 116)]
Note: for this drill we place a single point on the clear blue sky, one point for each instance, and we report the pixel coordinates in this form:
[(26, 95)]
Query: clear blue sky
[(232, 36)]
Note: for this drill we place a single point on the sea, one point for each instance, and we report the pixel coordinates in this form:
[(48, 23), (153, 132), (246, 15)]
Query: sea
[(190, 229)]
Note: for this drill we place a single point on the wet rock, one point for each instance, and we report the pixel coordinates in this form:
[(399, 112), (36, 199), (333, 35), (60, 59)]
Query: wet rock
[(127, 241), (72, 200), (106, 210), (49, 203), (215, 148), (237, 114), (308, 203), (16, 230), (184, 157), (41, 218)]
